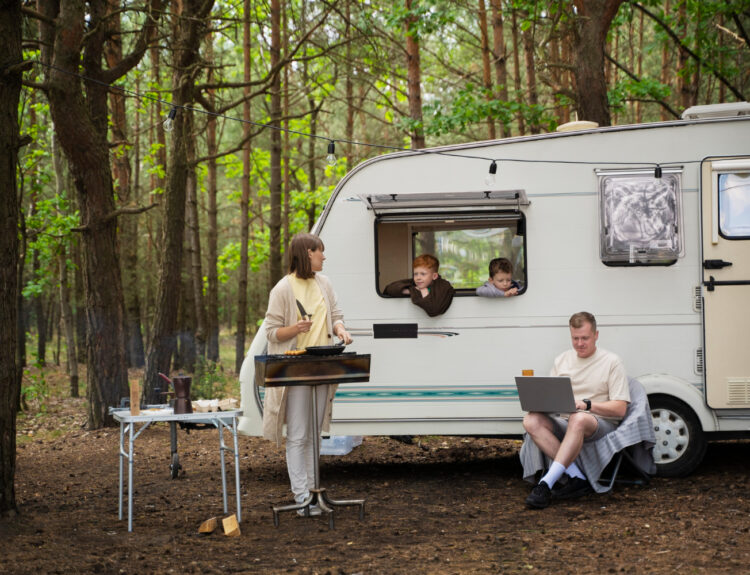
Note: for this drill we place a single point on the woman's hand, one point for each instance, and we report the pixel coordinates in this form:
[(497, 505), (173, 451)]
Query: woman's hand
[(342, 334), (288, 332), (303, 325)]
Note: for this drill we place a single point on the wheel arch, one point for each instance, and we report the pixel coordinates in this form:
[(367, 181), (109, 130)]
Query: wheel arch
[(665, 384)]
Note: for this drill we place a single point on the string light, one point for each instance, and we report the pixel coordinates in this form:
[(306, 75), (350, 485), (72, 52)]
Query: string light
[(490, 179), (169, 122), (331, 157)]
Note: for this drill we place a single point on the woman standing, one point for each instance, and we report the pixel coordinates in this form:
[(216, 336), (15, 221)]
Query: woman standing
[(286, 329)]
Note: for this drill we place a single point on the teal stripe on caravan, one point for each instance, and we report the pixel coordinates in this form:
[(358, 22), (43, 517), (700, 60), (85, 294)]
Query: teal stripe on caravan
[(351, 394)]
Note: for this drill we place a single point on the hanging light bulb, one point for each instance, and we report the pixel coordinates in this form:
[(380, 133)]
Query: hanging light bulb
[(657, 171), (331, 157), (490, 179), (168, 124)]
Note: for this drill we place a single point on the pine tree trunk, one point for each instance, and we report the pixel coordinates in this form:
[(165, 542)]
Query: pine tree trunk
[(486, 68), (193, 240), (79, 298), (239, 341), (275, 122), (122, 172), (187, 31), (500, 58), (10, 372), (528, 50), (590, 32), (351, 159), (212, 292), (66, 312), (81, 123), (517, 70), (414, 79)]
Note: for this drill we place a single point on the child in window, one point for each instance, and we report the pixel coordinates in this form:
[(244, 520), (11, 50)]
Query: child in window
[(426, 288), (501, 282)]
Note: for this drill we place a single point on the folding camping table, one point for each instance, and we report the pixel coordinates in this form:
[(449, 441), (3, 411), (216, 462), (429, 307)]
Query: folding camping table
[(153, 414)]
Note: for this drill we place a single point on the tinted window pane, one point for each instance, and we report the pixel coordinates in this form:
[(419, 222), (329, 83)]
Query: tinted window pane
[(734, 205), (465, 254)]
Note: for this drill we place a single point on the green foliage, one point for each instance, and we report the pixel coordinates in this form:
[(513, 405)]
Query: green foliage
[(49, 230), (35, 389), (209, 380), (471, 106), (646, 89)]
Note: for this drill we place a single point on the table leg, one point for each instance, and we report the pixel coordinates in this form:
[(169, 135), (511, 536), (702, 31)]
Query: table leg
[(220, 427), (236, 469), (174, 465), (121, 455), (131, 440)]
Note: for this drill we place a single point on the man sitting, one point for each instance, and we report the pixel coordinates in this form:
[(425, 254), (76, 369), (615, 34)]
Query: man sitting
[(600, 388)]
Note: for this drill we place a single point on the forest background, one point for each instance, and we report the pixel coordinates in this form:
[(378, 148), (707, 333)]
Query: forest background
[(157, 156)]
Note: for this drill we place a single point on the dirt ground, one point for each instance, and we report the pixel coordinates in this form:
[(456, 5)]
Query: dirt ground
[(439, 505)]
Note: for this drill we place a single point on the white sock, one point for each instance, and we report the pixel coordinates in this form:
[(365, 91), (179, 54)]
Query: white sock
[(554, 473), (574, 471)]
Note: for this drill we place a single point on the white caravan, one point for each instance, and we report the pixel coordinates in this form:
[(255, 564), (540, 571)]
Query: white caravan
[(663, 262)]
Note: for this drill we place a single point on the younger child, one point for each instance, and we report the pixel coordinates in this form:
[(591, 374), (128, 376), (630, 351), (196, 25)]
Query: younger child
[(426, 288), (501, 282)]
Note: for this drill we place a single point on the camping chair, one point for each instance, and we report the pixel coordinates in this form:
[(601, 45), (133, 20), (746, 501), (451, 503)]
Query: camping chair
[(633, 440)]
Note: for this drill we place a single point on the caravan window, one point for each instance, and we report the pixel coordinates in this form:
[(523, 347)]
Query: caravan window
[(464, 245), (734, 205), (640, 217)]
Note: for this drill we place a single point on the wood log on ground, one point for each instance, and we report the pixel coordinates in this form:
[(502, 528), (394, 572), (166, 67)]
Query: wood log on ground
[(209, 525), (231, 527)]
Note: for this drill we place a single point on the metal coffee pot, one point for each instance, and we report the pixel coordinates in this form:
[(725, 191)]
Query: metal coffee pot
[(182, 403)]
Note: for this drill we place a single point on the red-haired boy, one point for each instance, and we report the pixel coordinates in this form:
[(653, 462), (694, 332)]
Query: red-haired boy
[(426, 288)]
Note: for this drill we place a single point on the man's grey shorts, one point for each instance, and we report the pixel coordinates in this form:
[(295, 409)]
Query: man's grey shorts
[(605, 426)]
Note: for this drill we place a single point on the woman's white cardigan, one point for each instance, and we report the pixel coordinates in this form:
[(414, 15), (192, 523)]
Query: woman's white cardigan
[(282, 312)]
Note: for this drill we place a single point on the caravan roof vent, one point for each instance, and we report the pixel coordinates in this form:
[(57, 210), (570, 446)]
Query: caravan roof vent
[(577, 125), (717, 111)]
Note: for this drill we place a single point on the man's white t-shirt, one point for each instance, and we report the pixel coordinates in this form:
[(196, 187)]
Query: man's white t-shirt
[(599, 377)]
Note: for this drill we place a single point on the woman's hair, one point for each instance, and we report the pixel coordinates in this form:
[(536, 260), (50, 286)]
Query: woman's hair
[(299, 260)]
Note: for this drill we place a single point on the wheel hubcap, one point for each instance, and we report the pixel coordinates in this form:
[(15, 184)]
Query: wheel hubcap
[(672, 435)]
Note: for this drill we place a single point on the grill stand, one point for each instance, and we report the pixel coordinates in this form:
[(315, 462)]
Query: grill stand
[(318, 494)]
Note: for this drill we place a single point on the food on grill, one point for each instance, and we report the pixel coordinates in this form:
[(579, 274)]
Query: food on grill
[(295, 351)]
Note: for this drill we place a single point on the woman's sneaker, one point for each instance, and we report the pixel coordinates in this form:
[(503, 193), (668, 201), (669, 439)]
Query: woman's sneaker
[(314, 510)]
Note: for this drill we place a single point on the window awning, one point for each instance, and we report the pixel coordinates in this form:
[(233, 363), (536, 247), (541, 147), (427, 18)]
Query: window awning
[(421, 202)]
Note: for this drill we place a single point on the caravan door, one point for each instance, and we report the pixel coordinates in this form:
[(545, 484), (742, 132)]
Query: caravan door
[(725, 217)]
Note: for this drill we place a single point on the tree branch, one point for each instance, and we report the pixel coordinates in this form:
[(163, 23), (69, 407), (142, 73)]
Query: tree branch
[(741, 28), (664, 104), (127, 211), (701, 62)]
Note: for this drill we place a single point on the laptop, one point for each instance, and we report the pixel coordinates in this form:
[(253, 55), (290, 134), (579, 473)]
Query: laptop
[(548, 394)]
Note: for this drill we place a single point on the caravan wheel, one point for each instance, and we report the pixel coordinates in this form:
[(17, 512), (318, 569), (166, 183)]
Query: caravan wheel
[(680, 443)]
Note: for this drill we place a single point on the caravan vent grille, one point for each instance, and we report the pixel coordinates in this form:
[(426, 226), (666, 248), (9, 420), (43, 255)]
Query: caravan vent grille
[(739, 390), (697, 299), (699, 361)]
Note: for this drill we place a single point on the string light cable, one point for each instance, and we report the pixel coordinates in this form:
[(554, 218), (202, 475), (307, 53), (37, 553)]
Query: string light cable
[(331, 157)]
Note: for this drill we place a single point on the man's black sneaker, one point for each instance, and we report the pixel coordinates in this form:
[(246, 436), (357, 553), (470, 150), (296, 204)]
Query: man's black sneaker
[(540, 497), (574, 487)]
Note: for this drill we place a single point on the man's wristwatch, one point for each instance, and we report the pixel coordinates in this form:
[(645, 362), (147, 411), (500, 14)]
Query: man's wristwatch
[(588, 404)]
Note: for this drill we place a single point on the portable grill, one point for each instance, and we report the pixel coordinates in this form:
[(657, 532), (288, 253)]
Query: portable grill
[(306, 369), (313, 370)]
